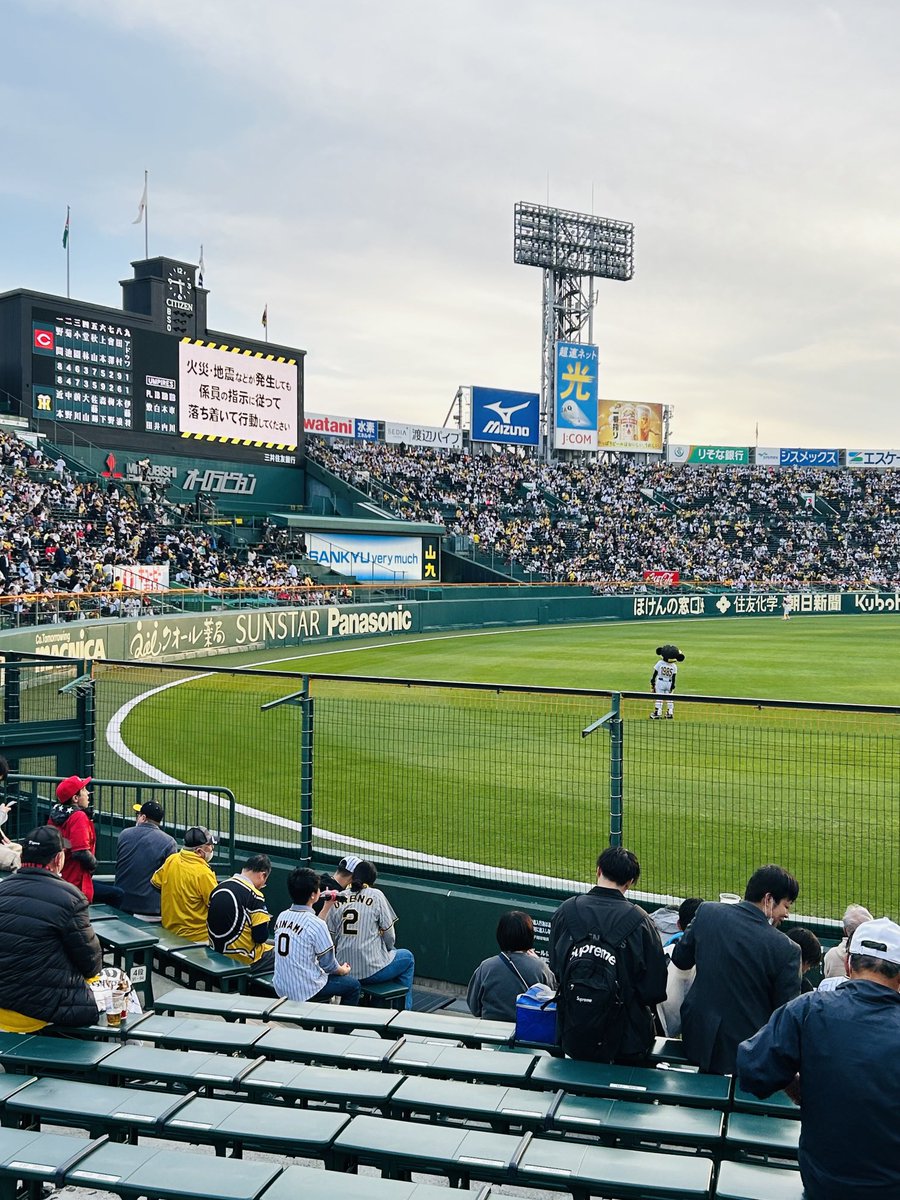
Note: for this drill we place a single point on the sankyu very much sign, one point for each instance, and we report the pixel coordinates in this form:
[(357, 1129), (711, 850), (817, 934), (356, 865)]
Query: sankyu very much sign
[(371, 557), (436, 436), (710, 456)]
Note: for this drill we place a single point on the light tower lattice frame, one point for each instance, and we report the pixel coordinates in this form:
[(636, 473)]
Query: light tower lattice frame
[(572, 249)]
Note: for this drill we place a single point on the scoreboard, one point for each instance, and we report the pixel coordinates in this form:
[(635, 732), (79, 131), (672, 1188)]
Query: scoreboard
[(149, 377)]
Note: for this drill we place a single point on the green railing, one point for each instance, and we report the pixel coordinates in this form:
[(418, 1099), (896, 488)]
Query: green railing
[(113, 807)]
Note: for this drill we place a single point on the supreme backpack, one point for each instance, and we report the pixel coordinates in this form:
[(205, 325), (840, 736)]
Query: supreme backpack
[(594, 988)]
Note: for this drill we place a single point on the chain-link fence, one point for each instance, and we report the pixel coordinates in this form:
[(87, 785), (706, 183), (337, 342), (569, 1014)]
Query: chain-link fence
[(474, 782)]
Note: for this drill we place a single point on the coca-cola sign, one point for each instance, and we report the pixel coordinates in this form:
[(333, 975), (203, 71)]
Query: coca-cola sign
[(662, 578)]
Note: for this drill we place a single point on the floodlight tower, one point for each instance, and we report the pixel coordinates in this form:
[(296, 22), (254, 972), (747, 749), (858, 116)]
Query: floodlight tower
[(573, 249)]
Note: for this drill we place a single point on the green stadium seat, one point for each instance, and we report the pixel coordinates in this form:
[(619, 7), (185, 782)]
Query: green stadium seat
[(777, 1105), (457, 1153), (471, 1031), (746, 1181), (196, 965), (35, 1157), (636, 1124), (307, 1181), (36, 1055), (613, 1173), (633, 1083), (340, 1017), (146, 1170), (217, 1004), (96, 1107), (304, 1045), (383, 995), (753, 1136), (130, 948), (452, 1062), (669, 1050), (10, 1084), (272, 1128), (191, 1069), (106, 912), (185, 1033), (503, 1108), (347, 1090)]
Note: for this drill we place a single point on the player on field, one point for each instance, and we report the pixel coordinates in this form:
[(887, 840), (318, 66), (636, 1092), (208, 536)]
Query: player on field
[(662, 681)]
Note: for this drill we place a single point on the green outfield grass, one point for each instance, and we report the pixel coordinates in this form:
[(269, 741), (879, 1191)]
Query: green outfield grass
[(507, 781)]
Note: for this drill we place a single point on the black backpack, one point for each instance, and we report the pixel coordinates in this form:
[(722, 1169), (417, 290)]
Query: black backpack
[(594, 988)]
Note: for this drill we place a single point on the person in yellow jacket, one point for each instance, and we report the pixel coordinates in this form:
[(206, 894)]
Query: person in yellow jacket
[(186, 882)]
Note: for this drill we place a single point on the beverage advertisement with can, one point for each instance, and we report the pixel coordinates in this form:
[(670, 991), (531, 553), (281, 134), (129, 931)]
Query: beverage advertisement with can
[(630, 427)]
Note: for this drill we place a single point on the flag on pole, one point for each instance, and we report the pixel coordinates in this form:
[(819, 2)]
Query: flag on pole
[(265, 317), (201, 269), (66, 230), (142, 207)]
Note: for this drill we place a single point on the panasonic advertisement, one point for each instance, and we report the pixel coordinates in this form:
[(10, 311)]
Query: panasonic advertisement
[(512, 418)]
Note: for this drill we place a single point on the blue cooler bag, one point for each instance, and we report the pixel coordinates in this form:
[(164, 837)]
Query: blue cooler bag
[(536, 1015)]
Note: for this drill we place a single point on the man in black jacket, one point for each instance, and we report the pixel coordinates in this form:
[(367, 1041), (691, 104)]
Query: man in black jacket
[(746, 968), (47, 946), (604, 913)]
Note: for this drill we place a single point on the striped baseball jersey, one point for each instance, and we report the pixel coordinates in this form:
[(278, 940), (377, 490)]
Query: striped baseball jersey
[(665, 676), (362, 925), (304, 953), (236, 909)]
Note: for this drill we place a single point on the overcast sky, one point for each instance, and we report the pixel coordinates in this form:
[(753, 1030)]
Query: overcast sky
[(355, 165)]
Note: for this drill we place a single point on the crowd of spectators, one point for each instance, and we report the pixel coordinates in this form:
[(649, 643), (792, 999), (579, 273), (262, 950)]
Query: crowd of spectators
[(63, 536), (581, 521)]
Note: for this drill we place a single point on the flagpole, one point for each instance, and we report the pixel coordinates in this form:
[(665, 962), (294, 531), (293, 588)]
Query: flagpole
[(68, 238), (146, 219)]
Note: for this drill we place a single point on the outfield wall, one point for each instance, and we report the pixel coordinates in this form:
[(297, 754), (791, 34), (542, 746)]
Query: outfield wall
[(176, 638)]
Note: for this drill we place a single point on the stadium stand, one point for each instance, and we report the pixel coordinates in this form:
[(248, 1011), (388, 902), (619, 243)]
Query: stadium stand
[(65, 533), (576, 521)]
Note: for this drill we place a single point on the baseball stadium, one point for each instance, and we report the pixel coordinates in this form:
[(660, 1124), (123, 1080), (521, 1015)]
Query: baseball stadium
[(476, 654)]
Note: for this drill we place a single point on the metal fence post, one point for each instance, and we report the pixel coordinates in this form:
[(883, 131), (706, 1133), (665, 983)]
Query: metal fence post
[(307, 712), (616, 735)]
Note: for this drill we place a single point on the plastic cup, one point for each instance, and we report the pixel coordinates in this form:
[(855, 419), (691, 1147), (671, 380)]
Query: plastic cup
[(729, 898)]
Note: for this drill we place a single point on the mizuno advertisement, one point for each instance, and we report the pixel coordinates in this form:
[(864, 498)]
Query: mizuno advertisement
[(505, 417)]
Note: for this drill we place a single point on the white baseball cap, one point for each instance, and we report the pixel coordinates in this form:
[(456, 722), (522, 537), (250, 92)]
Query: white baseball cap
[(349, 863), (877, 939)]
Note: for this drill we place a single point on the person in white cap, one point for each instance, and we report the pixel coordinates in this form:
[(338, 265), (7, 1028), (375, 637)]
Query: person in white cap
[(835, 1054)]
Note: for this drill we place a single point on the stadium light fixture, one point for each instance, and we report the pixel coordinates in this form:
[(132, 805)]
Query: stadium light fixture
[(576, 243)]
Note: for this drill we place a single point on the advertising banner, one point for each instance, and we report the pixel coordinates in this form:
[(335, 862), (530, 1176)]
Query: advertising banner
[(512, 418), (226, 394), (663, 578), (423, 435), (710, 456), (802, 457), (370, 556), (575, 418), (363, 429), (886, 459), (632, 428), (143, 577), (767, 456)]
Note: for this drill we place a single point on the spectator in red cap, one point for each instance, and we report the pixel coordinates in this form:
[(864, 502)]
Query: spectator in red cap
[(70, 816)]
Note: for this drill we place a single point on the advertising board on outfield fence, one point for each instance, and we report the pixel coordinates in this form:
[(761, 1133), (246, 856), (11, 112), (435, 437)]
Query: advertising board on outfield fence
[(886, 459), (709, 456), (436, 436), (630, 428), (575, 416)]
